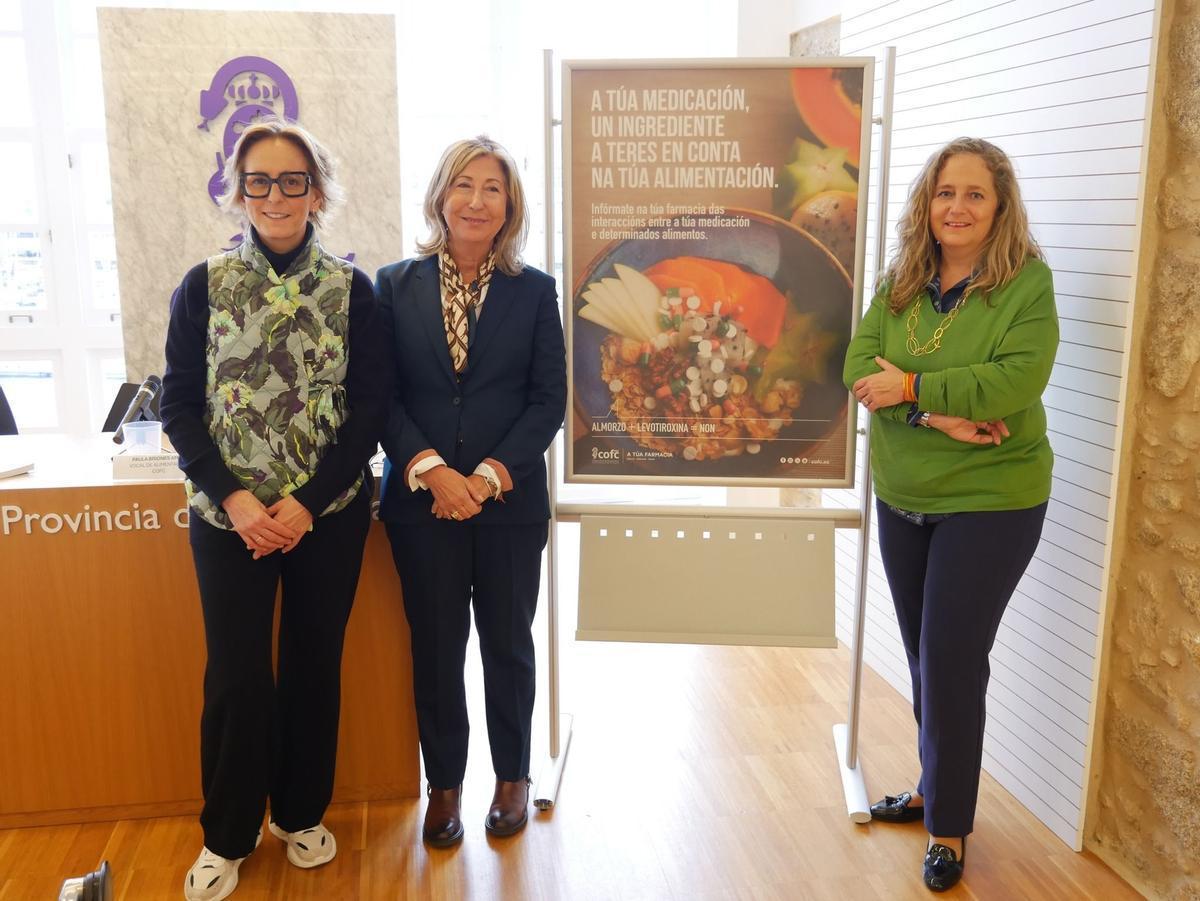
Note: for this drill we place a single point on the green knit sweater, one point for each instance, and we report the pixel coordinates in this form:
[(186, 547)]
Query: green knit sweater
[(994, 363)]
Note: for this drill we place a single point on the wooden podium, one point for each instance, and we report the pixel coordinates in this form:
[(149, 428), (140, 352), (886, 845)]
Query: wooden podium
[(102, 650)]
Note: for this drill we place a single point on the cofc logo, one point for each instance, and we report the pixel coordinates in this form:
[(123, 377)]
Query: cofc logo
[(598, 454)]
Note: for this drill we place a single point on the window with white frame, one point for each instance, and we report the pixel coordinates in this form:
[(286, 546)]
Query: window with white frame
[(59, 306), (29, 386), (22, 227)]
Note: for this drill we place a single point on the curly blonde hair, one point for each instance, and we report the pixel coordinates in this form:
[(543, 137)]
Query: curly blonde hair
[(1008, 247), (510, 240)]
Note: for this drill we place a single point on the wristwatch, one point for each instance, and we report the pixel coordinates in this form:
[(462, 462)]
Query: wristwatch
[(493, 485), (923, 419)]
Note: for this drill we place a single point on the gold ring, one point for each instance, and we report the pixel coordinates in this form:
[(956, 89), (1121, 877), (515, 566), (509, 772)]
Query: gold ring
[(454, 515)]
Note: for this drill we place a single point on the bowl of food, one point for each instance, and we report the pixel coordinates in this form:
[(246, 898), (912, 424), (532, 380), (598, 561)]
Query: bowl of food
[(711, 357)]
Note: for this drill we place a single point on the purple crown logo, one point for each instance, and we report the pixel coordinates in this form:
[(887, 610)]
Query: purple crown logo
[(254, 87)]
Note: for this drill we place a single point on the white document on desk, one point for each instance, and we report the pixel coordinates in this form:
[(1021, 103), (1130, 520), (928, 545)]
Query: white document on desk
[(12, 465)]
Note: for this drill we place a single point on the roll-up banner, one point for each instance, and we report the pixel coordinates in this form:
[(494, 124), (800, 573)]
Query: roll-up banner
[(714, 236)]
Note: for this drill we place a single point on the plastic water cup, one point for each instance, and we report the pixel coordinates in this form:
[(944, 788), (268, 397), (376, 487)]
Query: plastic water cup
[(143, 437)]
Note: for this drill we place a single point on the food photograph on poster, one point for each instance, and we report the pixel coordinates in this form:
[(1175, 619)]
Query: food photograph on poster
[(714, 221)]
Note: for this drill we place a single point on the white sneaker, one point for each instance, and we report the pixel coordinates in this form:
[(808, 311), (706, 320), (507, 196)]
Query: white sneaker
[(308, 847), (213, 877)]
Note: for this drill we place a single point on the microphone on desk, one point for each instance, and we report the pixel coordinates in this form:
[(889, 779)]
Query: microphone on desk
[(145, 394)]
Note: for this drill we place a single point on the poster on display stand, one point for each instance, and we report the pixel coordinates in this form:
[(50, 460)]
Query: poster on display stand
[(714, 236)]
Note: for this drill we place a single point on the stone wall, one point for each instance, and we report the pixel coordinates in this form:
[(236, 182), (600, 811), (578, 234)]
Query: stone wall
[(1144, 810), (822, 39)]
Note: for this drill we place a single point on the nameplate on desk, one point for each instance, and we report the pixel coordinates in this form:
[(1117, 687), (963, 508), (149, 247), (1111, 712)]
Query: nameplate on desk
[(146, 466)]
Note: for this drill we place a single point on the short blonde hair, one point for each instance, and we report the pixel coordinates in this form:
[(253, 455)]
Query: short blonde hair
[(321, 167), (1008, 247), (510, 240)]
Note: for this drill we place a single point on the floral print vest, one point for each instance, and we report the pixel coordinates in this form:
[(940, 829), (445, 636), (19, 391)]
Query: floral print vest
[(276, 354)]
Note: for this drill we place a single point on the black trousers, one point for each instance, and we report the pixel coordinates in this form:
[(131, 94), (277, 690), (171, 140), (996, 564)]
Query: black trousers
[(445, 569), (267, 733), (950, 582)]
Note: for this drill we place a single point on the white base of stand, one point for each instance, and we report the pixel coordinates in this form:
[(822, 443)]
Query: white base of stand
[(545, 790), (853, 786)]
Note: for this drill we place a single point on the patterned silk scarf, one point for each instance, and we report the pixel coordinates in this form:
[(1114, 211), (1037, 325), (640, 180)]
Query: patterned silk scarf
[(459, 299)]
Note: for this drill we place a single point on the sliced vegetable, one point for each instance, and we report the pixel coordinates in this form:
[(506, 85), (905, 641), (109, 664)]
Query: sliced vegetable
[(592, 313), (620, 294), (627, 305), (644, 292), (598, 297)]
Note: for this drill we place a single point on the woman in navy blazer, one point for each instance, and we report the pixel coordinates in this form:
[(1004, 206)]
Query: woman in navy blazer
[(480, 394)]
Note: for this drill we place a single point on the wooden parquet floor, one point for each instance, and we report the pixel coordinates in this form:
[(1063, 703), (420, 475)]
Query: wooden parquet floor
[(693, 773)]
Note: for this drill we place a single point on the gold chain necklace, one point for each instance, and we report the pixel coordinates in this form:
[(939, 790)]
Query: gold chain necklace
[(934, 343)]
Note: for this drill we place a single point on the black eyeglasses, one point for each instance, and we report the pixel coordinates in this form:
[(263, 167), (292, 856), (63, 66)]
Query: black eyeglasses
[(291, 184)]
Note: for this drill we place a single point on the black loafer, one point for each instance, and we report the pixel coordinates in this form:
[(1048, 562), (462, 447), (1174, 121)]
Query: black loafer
[(943, 868), (896, 809)]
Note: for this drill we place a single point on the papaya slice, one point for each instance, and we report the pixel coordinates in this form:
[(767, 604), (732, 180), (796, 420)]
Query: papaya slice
[(750, 299), (830, 114), (757, 303), (678, 271), (664, 283)]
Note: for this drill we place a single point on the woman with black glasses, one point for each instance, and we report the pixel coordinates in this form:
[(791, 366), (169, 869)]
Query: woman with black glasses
[(274, 396)]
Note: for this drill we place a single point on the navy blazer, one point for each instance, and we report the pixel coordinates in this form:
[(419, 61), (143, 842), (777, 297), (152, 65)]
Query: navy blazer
[(508, 404)]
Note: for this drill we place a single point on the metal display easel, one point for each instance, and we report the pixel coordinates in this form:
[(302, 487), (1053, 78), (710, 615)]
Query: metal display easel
[(545, 790), (845, 735)]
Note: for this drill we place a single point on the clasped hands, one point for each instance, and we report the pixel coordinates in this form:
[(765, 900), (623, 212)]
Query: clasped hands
[(264, 529), (455, 496), (886, 389)]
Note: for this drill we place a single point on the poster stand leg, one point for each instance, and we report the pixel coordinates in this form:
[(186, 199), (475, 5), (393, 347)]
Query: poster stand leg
[(545, 790), (845, 735)]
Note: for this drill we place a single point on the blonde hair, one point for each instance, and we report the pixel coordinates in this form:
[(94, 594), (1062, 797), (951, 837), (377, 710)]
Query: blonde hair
[(1009, 244), (321, 168), (510, 240)]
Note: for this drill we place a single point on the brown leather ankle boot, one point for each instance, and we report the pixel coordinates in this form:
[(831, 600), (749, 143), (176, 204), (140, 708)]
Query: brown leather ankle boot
[(510, 804), (443, 817)]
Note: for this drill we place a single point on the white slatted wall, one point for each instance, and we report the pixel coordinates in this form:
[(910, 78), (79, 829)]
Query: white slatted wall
[(1061, 86)]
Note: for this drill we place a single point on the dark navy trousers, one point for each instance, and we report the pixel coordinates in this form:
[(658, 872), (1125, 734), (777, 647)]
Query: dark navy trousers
[(272, 732), (447, 568), (950, 582)]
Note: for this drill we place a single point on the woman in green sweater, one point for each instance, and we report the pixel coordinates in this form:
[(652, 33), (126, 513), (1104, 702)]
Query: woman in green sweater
[(952, 358)]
